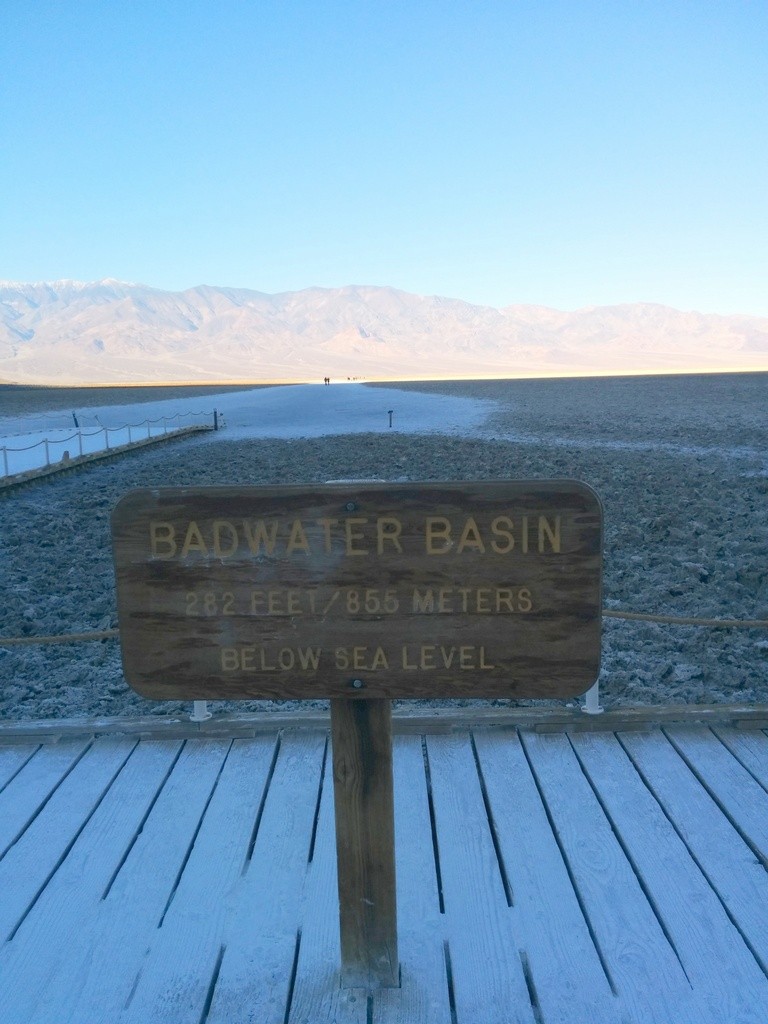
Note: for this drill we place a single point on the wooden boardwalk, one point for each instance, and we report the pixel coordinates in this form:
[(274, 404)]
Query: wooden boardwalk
[(561, 876)]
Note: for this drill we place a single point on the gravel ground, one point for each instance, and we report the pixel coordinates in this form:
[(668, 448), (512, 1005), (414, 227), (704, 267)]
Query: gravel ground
[(679, 463)]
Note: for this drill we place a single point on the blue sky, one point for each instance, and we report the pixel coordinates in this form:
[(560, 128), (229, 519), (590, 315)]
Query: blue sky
[(560, 153)]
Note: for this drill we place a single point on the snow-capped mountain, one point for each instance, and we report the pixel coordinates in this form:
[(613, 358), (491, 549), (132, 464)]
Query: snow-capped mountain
[(67, 332)]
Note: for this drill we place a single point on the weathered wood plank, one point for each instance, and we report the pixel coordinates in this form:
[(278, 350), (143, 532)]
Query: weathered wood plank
[(361, 735), (66, 910), (318, 995), (640, 960), (100, 971), (750, 747), (724, 858), (30, 862), (487, 973), (565, 965), (727, 982), (423, 993), (254, 981), (13, 759), (21, 800), (741, 797), (183, 952)]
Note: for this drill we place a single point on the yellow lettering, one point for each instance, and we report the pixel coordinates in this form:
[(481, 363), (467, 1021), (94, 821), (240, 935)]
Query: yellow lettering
[(466, 657), (388, 528), (447, 654), (222, 526), (552, 532), (293, 601), (504, 598), (483, 600), (194, 541), (257, 602), (437, 529), (501, 527), (427, 659), (407, 664), (259, 533), (341, 658), (162, 534), (379, 659), (297, 539), (352, 535), (524, 602), (423, 602), (445, 600), (470, 537), (274, 607), (483, 664), (230, 660), (247, 658), (309, 658)]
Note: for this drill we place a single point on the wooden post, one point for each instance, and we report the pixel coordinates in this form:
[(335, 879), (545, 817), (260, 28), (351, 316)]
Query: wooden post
[(365, 842)]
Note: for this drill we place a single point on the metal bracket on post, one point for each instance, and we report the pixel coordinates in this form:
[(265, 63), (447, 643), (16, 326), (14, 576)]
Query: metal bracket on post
[(591, 705), (200, 712)]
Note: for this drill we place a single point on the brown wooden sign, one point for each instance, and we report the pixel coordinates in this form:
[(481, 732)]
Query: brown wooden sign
[(485, 589)]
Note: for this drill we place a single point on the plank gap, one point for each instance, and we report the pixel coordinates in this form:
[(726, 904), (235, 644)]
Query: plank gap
[(761, 856), (134, 987), (569, 871), (739, 761), (449, 982), (193, 840), (315, 820), (20, 768), (630, 860), (492, 826), (212, 985), (262, 802), (369, 1010), (533, 996), (678, 832), (292, 979), (38, 810), (142, 823), (66, 851), (433, 824)]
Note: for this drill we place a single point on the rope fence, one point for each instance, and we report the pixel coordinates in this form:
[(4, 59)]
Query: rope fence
[(156, 427), (613, 613)]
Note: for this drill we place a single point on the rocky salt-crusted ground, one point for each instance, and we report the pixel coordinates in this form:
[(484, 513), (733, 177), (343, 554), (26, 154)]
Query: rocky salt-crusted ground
[(680, 465)]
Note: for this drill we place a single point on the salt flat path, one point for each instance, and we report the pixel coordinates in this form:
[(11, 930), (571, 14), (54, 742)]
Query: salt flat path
[(28, 442), (543, 876)]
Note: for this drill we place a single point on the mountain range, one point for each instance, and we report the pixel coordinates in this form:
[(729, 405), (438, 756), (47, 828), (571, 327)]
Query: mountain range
[(68, 332)]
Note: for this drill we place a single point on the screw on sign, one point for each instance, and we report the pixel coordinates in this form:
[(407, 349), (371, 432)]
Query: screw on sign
[(361, 593)]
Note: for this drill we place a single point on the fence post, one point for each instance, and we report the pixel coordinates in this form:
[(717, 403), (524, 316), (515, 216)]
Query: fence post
[(47, 453), (5, 461), (149, 430), (130, 439), (106, 438), (215, 419), (80, 443)]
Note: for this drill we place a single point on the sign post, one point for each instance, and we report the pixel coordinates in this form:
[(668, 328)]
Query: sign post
[(361, 593)]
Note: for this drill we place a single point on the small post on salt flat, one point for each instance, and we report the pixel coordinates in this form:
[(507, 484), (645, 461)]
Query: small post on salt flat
[(365, 842)]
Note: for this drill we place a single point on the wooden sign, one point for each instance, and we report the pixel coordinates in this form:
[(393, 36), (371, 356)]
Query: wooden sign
[(486, 589)]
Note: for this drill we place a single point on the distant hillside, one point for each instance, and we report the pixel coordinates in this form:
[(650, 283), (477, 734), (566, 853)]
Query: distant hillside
[(67, 332)]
